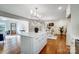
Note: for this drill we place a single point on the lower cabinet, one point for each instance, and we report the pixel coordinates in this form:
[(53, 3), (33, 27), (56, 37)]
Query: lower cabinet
[(36, 45)]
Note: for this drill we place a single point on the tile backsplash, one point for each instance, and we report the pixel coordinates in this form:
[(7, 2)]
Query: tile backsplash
[(33, 24)]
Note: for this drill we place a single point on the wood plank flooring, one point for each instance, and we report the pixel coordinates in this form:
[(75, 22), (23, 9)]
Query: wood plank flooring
[(56, 46), (1, 48)]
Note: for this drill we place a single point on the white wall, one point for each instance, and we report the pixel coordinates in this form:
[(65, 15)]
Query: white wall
[(73, 27), (75, 19)]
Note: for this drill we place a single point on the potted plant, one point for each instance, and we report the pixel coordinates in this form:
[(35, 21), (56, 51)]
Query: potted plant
[(61, 30)]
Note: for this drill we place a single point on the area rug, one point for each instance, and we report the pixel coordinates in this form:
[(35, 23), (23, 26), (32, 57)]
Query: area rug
[(52, 36)]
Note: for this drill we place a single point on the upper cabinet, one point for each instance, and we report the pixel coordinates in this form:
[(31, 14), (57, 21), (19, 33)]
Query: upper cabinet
[(68, 12), (2, 27)]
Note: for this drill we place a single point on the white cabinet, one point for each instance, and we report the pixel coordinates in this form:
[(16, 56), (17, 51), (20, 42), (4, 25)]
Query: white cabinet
[(2, 27), (36, 45), (11, 42), (26, 45), (33, 45)]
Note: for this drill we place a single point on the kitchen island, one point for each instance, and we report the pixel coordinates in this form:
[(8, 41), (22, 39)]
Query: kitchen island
[(33, 43)]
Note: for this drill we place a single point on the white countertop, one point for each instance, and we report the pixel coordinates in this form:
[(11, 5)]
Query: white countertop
[(76, 37), (32, 34)]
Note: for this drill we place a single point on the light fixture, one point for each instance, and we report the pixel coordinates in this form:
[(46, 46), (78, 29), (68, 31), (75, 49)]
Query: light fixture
[(59, 8), (35, 15)]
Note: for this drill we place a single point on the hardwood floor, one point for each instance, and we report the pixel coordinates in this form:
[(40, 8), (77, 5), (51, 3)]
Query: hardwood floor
[(1, 48), (56, 46)]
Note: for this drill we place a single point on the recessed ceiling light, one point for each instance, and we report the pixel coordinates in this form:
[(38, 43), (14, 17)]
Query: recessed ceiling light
[(59, 8)]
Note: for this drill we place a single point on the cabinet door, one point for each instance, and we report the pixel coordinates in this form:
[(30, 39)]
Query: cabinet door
[(36, 45), (26, 45), (43, 41)]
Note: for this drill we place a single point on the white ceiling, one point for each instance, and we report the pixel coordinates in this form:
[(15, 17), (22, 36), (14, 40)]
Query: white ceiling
[(50, 10)]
